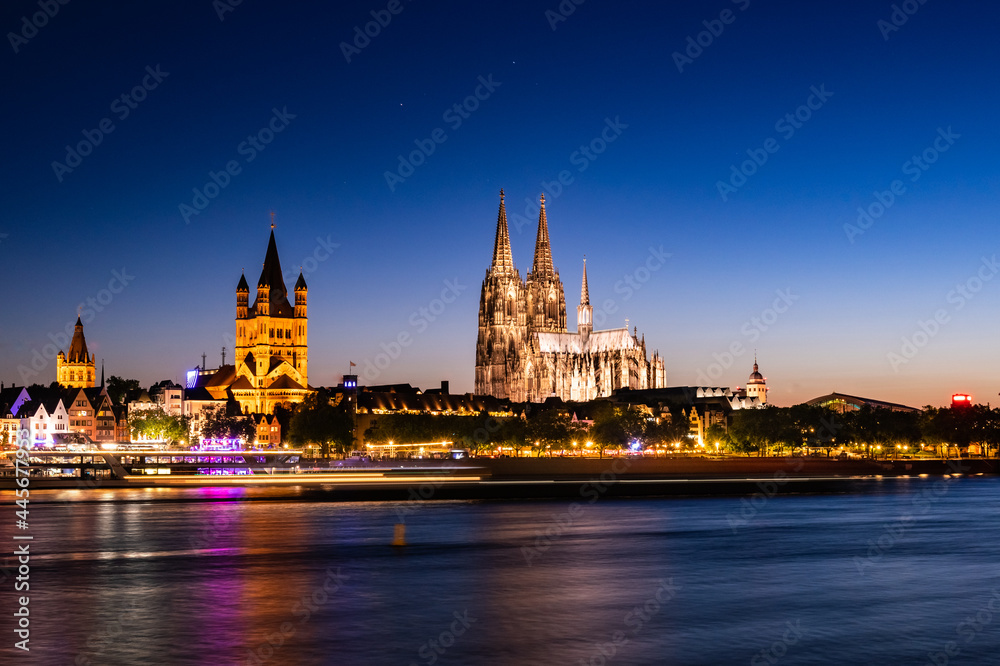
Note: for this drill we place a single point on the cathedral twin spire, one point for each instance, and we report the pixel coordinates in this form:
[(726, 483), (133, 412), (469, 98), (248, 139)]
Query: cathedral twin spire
[(543, 249), (546, 305), (503, 260)]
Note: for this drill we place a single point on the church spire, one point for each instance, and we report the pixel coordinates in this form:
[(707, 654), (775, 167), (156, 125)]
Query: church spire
[(543, 250), (584, 312), (270, 274), (78, 346), (503, 260), (272, 295)]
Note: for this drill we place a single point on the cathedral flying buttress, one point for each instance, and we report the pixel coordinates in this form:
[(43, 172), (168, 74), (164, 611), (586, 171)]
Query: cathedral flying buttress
[(524, 351)]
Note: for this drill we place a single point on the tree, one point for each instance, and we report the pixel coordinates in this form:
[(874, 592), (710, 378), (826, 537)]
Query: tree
[(122, 390), (221, 423), (156, 424), (758, 429), (547, 429), (618, 427), (284, 415), (667, 432), (717, 433), (512, 433), (884, 428), (316, 421)]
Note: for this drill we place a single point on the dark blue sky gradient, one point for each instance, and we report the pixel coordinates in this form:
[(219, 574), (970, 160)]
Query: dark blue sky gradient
[(655, 185)]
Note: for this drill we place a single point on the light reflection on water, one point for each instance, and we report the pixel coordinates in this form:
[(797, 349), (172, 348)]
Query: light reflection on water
[(221, 576)]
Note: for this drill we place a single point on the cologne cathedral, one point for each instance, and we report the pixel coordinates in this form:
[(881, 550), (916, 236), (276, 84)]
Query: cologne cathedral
[(524, 352)]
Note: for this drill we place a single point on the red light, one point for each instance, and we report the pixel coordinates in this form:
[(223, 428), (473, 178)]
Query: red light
[(961, 399)]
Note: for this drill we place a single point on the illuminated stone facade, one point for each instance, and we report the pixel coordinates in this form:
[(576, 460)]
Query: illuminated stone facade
[(76, 369), (272, 340), (524, 352)]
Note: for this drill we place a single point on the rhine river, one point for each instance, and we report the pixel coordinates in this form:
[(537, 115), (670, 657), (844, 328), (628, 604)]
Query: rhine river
[(895, 572)]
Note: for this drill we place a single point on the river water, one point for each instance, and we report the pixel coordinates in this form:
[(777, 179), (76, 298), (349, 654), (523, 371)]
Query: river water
[(896, 571)]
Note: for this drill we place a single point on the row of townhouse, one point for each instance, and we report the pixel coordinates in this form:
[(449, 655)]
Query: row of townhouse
[(46, 413)]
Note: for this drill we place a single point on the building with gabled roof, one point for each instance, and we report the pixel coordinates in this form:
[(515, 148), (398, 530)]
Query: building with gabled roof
[(524, 352), (43, 418), (91, 412), (11, 399), (268, 430)]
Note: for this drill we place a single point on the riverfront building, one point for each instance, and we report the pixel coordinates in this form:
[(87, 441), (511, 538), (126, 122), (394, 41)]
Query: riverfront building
[(272, 343), (524, 352)]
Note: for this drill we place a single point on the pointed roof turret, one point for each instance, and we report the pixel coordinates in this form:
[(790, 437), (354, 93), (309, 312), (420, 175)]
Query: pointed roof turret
[(270, 278), (242, 284), (301, 282), (78, 347), (270, 275), (584, 291), (543, 249), (503, 260)]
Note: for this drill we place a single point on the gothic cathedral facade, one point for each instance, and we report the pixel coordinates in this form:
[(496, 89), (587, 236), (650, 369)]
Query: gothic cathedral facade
[(524, 352)]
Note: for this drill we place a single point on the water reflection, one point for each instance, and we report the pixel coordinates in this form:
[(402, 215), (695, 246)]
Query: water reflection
[(233, 576)]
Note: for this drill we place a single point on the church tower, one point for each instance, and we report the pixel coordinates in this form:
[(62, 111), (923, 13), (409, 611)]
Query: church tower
[(584, 311), (757, 385), (301, 356), (271, 352), (76, 369), (503, 325), (546, 301)]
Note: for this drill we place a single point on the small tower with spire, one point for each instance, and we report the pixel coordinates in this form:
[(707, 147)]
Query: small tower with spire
[(300, 355), (756, 384), (584, 312), (75, 369), (242, 297)]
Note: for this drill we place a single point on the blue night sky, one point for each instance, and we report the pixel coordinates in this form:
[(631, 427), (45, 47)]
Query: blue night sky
[(375, 255)]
